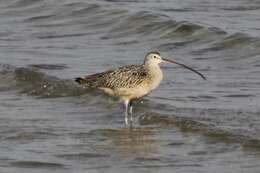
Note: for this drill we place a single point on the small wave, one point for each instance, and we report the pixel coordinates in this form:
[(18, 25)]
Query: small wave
[(242, 8), (174, 45), (81, 156), (132, 24), (209, 130), (49, 66), (239, 95), (36, 164), (29, 136), (24, 3), (169, 9), (183, 123), (6, 76), (36, 83), (235, 40), (85, 9), (187, 28), (55, 36), (148, 24), (33, 82), (37, 18)]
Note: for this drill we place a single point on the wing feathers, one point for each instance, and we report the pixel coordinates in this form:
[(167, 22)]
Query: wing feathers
[(124, 77)]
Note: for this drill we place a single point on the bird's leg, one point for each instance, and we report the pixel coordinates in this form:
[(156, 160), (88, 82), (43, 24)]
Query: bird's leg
[(131, 110), (126, 103), (131, 113)]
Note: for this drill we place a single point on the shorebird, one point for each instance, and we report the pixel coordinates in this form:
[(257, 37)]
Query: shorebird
[(131, 82)]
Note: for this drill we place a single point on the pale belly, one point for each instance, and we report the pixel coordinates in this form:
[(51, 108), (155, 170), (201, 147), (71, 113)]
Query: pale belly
[(127, 93)]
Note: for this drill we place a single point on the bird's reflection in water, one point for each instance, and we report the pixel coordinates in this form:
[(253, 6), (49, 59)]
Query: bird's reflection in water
[(135, 142)]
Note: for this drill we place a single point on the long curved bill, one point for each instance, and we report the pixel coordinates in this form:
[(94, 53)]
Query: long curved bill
[(185, 66)]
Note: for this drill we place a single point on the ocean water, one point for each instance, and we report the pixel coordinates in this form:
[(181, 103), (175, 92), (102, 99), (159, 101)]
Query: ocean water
[(48, 123)]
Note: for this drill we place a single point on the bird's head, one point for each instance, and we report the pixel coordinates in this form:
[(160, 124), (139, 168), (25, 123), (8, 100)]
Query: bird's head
[(154, 58)]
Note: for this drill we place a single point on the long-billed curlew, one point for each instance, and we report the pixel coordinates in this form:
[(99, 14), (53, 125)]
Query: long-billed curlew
[(130, 82)]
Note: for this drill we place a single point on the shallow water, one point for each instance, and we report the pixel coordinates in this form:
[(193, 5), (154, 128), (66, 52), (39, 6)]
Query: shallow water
[(50, 124)]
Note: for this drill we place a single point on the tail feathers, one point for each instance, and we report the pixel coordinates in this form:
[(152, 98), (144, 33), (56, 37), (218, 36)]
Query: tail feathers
[(89, 81), (80, 80)]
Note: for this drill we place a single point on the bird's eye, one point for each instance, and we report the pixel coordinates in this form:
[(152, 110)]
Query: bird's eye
[(154, 56)]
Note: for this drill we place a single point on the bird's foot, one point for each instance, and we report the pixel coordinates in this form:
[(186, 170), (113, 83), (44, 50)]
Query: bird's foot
[(131, 120), (126, 121), (129, 123)]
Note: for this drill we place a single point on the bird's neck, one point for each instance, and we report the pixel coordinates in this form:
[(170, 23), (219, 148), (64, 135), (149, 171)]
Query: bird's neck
[(154, 71), (152, 68), (155, 75)]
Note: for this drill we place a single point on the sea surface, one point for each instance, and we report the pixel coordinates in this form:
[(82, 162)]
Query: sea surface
[(48, 123)]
